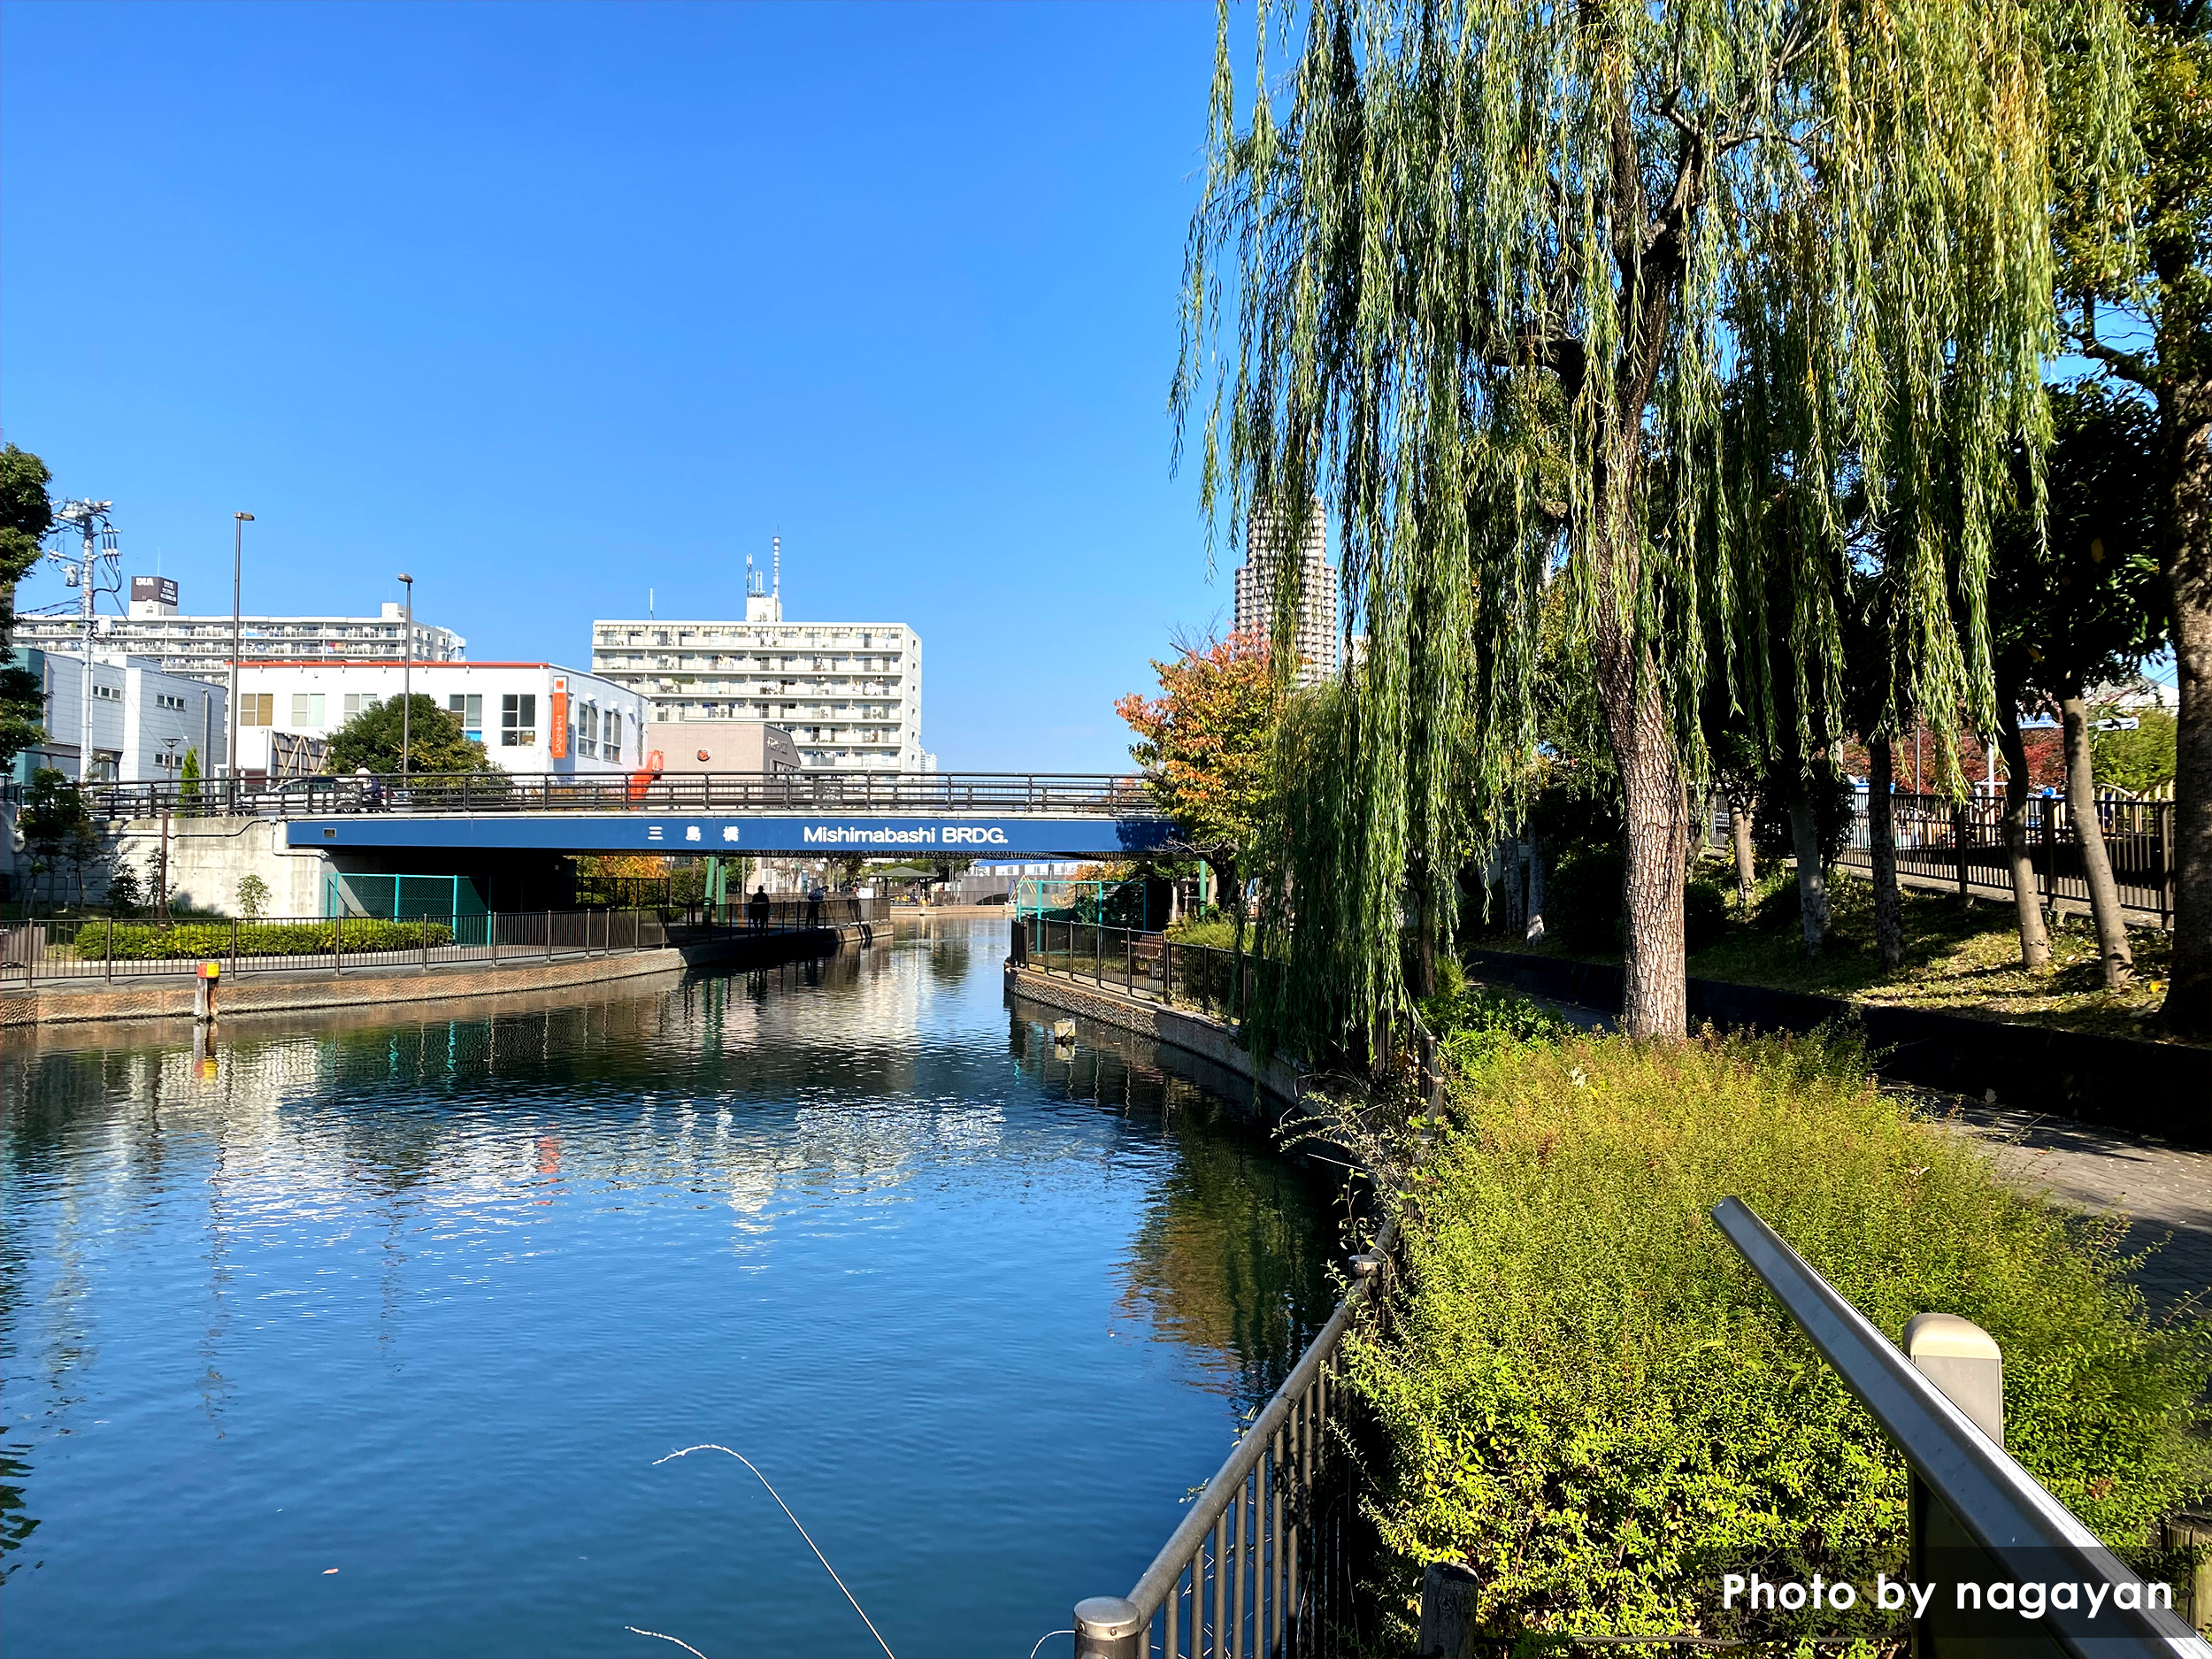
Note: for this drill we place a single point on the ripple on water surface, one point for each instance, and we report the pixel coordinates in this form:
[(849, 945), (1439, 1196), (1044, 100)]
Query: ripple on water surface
[(421, 1300)]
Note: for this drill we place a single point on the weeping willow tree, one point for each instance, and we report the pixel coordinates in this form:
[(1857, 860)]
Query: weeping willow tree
[(1484, 274)]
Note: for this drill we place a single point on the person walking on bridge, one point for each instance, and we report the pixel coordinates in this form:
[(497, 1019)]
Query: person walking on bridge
[(756, 909)]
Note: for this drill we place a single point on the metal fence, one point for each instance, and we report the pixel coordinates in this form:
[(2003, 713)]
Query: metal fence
[(1263, 1563), (1139, 963), (113, 947), (1102, 793), (782, 915), (1962, 847)]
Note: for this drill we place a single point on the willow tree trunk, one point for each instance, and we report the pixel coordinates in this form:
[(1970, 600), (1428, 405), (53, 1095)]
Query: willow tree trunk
[(1740, 839), (2113, 954), (2185, 436), (1881, 843), (2035, 942), (1812, 878), (1654, 991), (1424, 937)]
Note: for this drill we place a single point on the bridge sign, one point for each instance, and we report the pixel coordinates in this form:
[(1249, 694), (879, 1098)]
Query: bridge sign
[(1012, 837)]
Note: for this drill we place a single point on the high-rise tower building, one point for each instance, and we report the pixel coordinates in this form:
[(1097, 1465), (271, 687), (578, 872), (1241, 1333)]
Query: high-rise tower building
[(1266, 548)]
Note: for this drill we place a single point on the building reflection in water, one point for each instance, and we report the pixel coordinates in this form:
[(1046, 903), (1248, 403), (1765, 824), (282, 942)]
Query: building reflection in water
[(434, 1143)]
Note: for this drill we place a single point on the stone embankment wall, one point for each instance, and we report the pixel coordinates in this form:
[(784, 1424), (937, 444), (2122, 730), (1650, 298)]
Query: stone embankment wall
[(1194, 1032)]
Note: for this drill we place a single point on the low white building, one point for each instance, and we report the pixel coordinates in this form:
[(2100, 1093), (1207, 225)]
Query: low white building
[(145, 721), (200, 646), (530, 717)]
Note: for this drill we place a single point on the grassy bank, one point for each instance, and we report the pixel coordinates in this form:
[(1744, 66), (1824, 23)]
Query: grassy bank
[(1593, 1402), (1960, 958)]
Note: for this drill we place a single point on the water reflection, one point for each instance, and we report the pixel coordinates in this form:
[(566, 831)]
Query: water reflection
[(1231, 1257), (426, 1292)]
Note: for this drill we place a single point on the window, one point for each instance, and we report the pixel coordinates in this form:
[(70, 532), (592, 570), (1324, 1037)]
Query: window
[(468, 708), (360, 702), (585, 741), (163, 700), (611, 734), (307, 707), (257, 708), (517, 719), (106, 694)]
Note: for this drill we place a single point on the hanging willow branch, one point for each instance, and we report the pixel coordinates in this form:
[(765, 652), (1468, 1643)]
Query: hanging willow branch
[(1485, 277)]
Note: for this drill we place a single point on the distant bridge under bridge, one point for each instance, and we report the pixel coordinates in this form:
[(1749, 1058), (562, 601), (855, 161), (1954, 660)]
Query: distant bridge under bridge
[(1012, 816)]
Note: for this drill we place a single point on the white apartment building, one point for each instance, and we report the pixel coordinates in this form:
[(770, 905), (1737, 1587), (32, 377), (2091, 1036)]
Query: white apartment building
[(145, 721), (199, 646), (1266, 549), (849, 693), (530, 717)]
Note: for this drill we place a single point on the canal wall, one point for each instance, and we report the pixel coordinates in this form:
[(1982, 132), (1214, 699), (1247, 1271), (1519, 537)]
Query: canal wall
[(1193, 1033), (170, 996)]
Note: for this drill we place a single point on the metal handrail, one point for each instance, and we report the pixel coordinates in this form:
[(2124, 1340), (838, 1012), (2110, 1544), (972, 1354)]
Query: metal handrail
[(1999, 1504), (1246, 1529)]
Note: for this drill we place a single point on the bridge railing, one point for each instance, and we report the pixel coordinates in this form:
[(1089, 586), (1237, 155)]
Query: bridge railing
[(120, 948), (1086, 793)]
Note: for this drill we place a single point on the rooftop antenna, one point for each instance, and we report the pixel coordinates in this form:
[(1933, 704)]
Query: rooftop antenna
[(776, 543), (750, 588), (648, 604)]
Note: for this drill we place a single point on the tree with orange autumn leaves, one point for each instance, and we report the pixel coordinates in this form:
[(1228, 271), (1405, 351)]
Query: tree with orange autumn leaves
[(1205, 743)]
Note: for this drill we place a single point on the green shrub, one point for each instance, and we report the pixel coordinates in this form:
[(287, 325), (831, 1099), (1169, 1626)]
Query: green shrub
[(1591, 1399), (1475, 1022), (1705, 911), (141, 942), (1582, 901)]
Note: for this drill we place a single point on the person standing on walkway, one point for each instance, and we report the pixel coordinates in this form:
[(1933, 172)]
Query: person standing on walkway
[(814, 907), (756, 909)]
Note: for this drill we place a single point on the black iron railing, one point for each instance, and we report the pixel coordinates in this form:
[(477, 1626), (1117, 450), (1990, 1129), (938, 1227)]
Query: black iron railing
[(1962, 846), (1139, 963)]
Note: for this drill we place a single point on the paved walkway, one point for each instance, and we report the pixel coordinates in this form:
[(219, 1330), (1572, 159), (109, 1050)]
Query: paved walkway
[(2165, 1191)]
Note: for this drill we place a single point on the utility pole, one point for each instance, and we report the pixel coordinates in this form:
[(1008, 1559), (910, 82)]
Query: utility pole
[(90, 519), (407, 677), (237, 634)]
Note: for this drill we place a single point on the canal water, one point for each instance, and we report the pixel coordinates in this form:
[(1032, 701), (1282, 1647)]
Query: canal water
[(363, 1336)]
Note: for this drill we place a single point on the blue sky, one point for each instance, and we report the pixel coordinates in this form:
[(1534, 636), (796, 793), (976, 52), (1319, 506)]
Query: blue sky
[(547, 304)]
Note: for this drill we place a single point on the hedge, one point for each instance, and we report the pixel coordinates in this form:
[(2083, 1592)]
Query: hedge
[(1589, 1399), (137, 941)]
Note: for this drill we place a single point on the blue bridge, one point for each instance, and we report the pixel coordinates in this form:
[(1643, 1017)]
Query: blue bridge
[(1012, 816)]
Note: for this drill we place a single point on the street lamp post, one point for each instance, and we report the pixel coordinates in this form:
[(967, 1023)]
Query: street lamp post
[(237, 634), (407, 677)]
